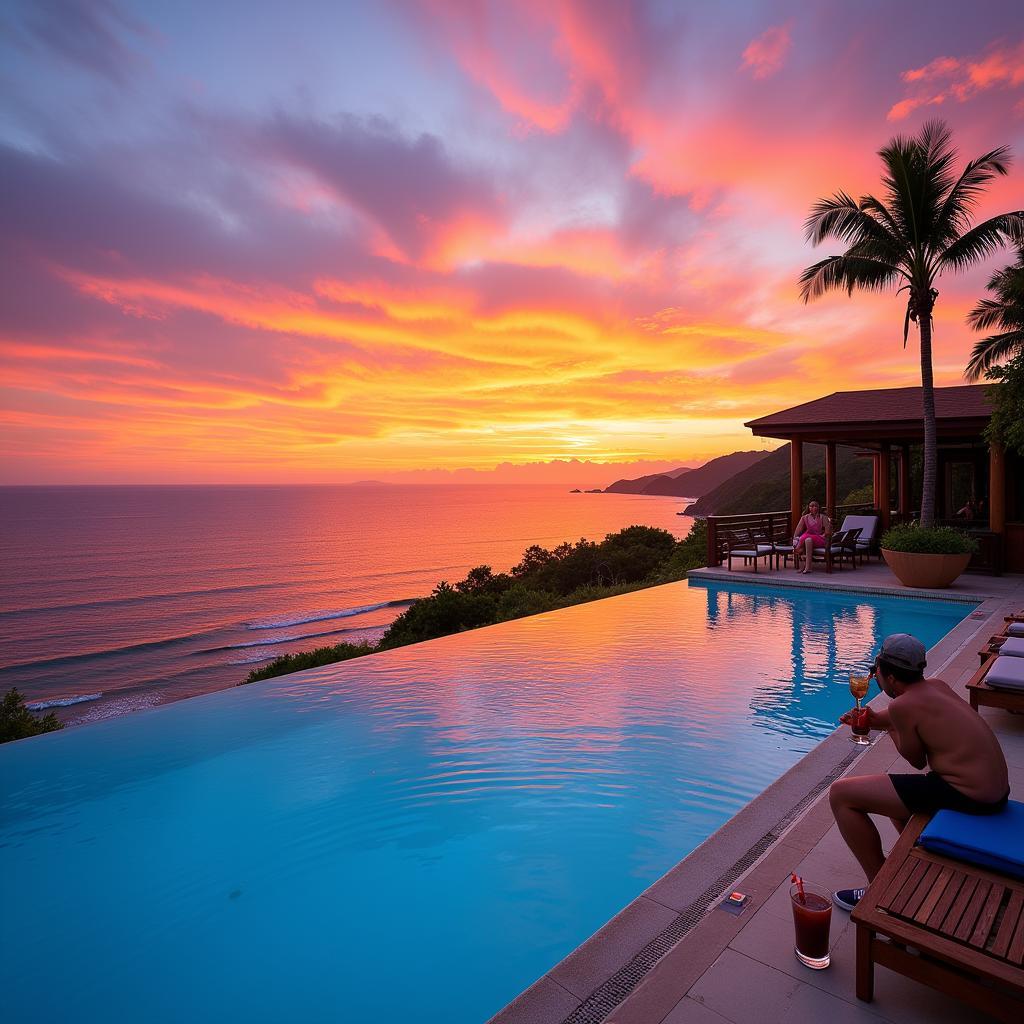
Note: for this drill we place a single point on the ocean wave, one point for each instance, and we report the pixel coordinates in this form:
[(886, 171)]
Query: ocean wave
[(251, 661), (60, 702), (324, 614), (291, 638)]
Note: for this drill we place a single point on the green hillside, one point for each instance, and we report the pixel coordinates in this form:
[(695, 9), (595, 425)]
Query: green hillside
[(764, 486)]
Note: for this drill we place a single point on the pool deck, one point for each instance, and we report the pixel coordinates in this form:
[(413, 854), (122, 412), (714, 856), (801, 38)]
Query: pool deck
[(674, 956)]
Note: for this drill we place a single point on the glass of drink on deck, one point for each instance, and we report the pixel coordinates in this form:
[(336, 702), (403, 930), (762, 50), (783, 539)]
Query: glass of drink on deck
[(859, 726), (812, 918)]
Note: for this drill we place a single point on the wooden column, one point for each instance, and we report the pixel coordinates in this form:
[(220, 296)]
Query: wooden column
[(904, 505), (885, 499), (876, 479), (997, 488), (830, 479), (796, 482)]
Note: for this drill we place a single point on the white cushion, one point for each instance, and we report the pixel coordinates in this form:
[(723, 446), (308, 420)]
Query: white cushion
[(745, 552), (868, 526), (1015, 629), (1006, 674), (1013, 646)]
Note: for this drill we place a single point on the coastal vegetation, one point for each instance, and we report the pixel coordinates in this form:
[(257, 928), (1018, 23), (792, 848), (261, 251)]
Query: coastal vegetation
[(17, 722), (922, 227), (543, 580)]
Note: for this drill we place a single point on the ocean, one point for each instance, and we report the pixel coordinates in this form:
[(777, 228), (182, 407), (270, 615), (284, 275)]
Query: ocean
[(114, 599)]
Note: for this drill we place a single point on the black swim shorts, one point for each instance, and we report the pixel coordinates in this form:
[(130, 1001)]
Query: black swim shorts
[(930, 793)]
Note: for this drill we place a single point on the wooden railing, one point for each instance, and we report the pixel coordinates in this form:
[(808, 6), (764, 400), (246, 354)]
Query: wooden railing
[(774, 525), (777, 526)]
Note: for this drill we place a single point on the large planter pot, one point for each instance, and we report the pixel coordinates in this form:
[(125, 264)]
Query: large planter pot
[(925, 572)]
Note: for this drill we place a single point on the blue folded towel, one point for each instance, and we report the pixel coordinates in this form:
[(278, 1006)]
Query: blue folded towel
[(994, 841)]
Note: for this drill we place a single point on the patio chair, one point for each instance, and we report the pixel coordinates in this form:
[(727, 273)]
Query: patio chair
[(998, 683), (842, 546), (742, 544), (940, 917), (867, 543)]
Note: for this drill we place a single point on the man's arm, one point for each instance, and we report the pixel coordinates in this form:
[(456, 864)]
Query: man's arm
[(905, 736)]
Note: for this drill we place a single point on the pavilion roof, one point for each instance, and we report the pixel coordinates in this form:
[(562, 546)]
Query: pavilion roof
[(881, 413)]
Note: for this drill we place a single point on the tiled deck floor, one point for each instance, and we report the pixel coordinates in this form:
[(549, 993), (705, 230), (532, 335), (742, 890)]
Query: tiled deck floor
[(743, 969)]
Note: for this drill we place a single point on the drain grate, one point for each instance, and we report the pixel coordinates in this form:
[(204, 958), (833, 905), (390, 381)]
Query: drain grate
[(607, 996)]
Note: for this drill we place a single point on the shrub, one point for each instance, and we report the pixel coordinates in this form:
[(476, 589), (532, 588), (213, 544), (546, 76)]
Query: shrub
[(309, 659), (17, 722), (935, 540)]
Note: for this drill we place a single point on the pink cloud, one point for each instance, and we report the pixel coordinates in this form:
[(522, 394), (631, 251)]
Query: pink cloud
[(1000, 67), (767, 53)]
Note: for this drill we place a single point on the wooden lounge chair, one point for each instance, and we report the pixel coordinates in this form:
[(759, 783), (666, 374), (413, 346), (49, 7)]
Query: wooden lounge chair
[(954, 926), (867, 542), (982, 694)]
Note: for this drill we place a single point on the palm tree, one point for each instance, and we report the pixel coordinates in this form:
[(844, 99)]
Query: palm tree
[(922, 227), (1006, 312)]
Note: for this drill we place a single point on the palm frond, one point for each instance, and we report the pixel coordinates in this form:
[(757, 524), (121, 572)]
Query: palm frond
[(954, 217), (846, 273), (988, 313), (881, 212), (991, 351), (982, 240), (842, 217)]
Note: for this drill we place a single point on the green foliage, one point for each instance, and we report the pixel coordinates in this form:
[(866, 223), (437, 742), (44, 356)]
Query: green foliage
[(860, 496), (17, 722), (636, 557), (309, 659), (928, 540), (1007, 424)]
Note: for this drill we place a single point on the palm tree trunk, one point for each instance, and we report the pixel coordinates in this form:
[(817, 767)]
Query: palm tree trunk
[(928, 400)]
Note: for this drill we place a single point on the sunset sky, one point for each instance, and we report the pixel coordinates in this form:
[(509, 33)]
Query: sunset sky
[(330, 241)]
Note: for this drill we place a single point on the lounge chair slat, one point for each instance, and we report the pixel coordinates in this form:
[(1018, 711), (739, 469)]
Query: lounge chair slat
[(1011, 919), (956, 911), (973, 912), (979, 937), (906, 894), (1016, 952), (939, 887), (921, 892), (893, 888), (936, 917)]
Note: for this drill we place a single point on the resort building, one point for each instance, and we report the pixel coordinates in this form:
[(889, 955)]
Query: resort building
[(979, 487)]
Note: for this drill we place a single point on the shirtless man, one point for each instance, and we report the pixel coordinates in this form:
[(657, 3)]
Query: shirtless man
[(932, 726)]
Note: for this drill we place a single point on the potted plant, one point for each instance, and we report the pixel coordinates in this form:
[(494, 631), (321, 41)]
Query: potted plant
[(927, 557)]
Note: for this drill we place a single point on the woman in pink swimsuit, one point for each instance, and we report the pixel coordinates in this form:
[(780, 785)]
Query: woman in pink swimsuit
[(811, 532)]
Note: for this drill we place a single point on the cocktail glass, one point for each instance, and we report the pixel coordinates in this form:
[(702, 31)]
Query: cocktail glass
[(859, 727), (812, 918)]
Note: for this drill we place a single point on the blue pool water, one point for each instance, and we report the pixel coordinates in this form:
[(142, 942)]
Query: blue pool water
[(418, 835)]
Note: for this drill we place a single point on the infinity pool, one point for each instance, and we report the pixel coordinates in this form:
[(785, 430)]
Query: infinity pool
[(415, 836)]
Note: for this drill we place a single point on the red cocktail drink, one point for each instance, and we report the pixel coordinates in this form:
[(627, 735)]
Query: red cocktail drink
[(812, 917), (860, 722)]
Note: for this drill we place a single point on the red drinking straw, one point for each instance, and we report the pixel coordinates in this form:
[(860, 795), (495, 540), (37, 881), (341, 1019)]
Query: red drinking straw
[(799, 883)]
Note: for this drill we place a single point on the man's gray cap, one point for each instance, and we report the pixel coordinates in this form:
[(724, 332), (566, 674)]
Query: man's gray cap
[(904, 650)]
